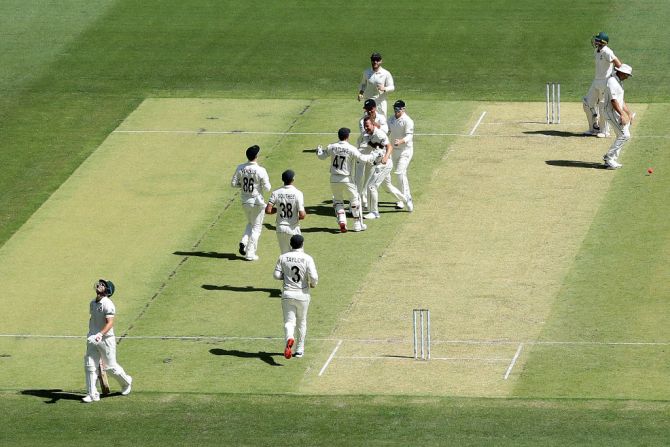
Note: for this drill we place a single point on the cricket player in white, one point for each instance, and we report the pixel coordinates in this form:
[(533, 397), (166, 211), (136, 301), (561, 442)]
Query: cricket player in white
[(289, 205), (376, 83), (594, 101), (101, 343), (298, 271), (382, 150), (362, 171), (343, 156), (401, 134), (618, 114), (252, 180)]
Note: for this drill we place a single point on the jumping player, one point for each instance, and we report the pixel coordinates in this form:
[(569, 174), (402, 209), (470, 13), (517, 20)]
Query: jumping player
[(289, 205), (298, 272), (252, 179), (101, 343)]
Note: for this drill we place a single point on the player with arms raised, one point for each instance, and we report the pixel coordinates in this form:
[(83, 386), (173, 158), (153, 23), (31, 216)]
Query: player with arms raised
[(343, 155)]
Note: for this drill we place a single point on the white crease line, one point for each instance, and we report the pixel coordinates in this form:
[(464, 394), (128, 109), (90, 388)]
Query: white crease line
[(514, 359), (474, 359), (431, 134), (479, 121), (360, 340), (332, 354)]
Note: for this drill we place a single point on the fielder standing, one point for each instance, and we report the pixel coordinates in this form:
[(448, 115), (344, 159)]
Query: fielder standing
[(401, 134), (594, 101), (381, 149), (376, 83), (101, 343), (252, 179), (298, 271), (618, 114), (362, 171), (343, 155), (289, 205)]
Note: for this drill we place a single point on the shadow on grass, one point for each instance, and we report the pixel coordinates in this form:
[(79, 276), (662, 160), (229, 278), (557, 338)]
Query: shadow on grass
[(273, 293), (53, 395), (576, 164), (556, 133), (208, 254), (267, 357)]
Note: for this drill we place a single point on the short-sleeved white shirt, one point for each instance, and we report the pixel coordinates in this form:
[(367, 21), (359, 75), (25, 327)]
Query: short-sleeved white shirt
[(604, 65), (298, 271), (342, 157), (99, 311), (370, 81), (289, 201), (402, 128), (377, 139), (252, 179)]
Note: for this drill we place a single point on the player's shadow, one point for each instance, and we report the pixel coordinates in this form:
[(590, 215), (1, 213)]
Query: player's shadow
[(273, 293), (555, 133), (323, 209), (207, 254), (52, 396), (267, 357), (576, 164)]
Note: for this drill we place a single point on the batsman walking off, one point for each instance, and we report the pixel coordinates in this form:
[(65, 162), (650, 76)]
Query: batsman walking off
[(101, 343)]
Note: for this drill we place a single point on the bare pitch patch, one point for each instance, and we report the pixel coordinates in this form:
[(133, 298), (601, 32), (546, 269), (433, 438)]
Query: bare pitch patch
[(486, 250)]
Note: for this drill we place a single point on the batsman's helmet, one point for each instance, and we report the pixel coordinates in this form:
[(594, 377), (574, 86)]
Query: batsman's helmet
[(601, 39), (109, 286)]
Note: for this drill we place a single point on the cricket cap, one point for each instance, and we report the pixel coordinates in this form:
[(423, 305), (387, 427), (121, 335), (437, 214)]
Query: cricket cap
[(375, 57), (369, 104), (399, 104)]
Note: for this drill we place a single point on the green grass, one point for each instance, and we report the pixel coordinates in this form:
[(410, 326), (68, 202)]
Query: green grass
[(68, 82)]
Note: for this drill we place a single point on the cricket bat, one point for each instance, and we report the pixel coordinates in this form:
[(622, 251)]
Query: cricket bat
[(102, 378)]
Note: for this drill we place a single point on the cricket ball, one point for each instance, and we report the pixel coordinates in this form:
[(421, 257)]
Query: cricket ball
[(650, 171)]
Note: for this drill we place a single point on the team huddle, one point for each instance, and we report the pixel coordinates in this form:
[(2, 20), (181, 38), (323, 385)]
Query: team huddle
[(382, 154)]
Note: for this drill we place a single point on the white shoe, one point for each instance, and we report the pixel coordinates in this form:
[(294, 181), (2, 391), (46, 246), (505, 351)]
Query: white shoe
[(88, 398), (360, 226), (251, 258), (410, 205), (371, 215), (611, 164), (399, 205), (298, 354), (602, 135), (126, 390)]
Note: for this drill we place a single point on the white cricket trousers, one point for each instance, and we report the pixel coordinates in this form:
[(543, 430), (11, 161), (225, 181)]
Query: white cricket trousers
[(295, 316), (284, 235), (622, 134), (594, 105), (252, 232), (381, 174), (105, 350), (401, 160)]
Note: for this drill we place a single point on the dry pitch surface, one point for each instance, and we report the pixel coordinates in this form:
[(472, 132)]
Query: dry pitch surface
[(497, 225)]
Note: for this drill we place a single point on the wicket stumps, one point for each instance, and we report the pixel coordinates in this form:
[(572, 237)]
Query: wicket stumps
[(553, 103), (421, 326)]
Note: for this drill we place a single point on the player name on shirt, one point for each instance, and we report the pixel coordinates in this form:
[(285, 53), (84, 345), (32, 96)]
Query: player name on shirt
[(292, 259)]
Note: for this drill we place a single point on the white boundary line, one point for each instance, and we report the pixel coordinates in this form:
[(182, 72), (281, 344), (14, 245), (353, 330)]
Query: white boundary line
[(479, 121), (332, 355), (359, 340), (513, 362)]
